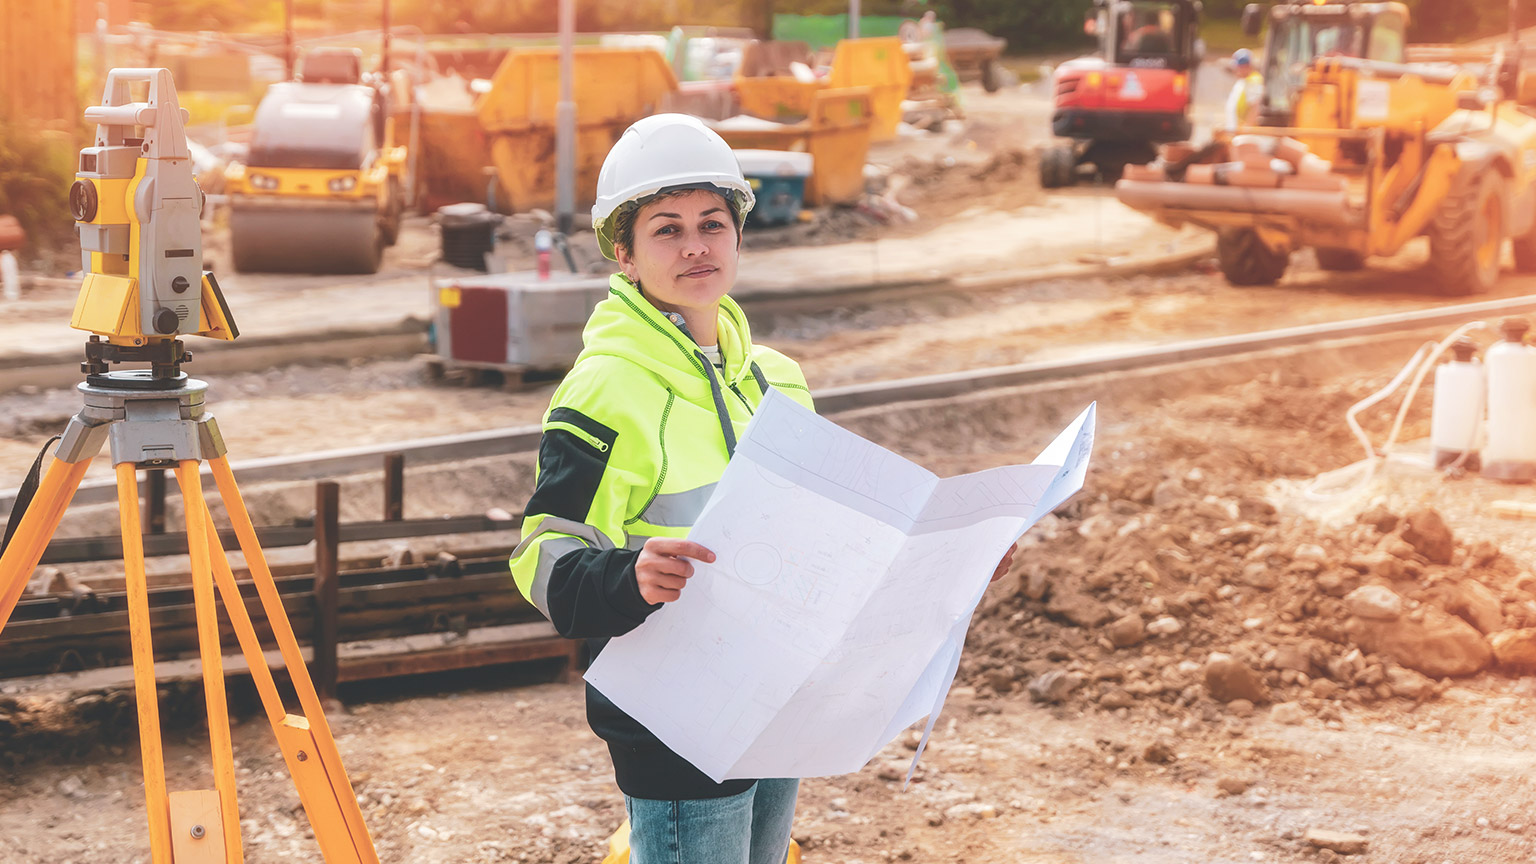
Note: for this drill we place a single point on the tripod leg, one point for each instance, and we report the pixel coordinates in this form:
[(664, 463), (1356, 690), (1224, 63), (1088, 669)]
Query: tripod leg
[(146, 694), (322, 802), (326, 784), (36, 529), (188, 476)]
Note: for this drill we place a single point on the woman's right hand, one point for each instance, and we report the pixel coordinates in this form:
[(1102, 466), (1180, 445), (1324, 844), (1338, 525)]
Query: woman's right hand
[(663, 567)]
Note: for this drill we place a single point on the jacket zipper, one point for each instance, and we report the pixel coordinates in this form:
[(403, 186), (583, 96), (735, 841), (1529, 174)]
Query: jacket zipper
[(601, 446), (737, 391), (661, 476), (697, 364), (654, 326)]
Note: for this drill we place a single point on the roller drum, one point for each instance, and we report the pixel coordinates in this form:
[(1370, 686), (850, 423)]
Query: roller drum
[(295, 240)]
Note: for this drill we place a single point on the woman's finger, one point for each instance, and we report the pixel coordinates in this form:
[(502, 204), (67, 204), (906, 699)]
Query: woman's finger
[(667, 565), (669, 583), (677, 547)]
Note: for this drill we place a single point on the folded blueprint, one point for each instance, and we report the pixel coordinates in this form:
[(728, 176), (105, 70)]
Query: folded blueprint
[(834, 615)]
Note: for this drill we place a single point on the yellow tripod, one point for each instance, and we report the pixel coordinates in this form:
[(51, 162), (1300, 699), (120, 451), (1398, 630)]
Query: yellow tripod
[(158, 422)]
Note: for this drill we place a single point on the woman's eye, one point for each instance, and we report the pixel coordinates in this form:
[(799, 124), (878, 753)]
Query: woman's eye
[(713, 225), (666, 229)]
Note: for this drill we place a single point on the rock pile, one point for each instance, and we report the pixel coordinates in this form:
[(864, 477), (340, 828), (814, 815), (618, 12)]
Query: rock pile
[(1182, 601)]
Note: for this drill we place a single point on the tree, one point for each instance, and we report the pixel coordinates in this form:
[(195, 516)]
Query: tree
[(1026, 24), (1439, 21), (36, 171)]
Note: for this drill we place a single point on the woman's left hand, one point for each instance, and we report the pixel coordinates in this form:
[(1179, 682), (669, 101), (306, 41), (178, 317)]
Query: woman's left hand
[(1003, 565)]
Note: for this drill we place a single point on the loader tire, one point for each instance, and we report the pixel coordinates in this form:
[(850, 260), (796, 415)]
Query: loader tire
[(1525, 251), (1339, 259), (1245, 260), (1466, 238)]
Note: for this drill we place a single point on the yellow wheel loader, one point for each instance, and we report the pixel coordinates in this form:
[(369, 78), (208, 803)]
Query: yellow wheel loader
[(1355, 153), (322, 189)]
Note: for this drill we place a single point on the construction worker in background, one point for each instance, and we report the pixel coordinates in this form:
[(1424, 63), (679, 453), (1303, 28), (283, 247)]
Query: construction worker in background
[(1246, 91), (634, 441)]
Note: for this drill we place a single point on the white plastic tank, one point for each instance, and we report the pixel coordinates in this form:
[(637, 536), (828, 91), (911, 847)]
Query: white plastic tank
[(1456, 420), (1510, 454)]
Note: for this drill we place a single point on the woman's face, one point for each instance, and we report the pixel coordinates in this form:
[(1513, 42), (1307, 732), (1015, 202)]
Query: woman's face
[(685, 252)]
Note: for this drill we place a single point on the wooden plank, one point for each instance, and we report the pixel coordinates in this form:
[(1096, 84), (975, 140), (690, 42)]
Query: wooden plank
[(108, 547), (121, 676), (327, 584), (437, 652), (485, 577), (353, 570), (427, 607), (111, 647), (478, 590), (394, 487), (357, 660), (450, 659)]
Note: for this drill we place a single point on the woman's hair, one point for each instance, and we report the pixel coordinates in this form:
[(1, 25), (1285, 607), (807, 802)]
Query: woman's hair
[(624, 223)]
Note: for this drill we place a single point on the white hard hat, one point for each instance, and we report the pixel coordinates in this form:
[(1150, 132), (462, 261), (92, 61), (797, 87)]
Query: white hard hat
[(662, 152)]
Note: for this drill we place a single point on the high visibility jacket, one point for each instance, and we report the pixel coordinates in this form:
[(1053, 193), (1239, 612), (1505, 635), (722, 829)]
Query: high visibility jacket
[(635, 439), (1246, 91)]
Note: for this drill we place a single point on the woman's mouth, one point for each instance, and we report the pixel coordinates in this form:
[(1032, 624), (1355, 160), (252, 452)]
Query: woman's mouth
[(700, 272)]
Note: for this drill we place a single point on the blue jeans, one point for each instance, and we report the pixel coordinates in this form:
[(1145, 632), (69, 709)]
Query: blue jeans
[(750, 828)]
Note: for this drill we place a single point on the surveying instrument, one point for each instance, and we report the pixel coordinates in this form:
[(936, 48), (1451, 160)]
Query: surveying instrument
[(137, 205)]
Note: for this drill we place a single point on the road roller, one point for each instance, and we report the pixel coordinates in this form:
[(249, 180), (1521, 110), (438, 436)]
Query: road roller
[(322, 188)]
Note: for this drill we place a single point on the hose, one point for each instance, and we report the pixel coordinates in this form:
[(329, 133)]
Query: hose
[(1350, 479)]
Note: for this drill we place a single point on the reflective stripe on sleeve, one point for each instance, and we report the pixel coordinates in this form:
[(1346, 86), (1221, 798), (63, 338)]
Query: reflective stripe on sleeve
[(677, 509), (550, 551), (579, 535)]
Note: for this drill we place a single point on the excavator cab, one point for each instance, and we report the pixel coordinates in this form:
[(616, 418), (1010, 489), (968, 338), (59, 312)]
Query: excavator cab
[(1150, 34)]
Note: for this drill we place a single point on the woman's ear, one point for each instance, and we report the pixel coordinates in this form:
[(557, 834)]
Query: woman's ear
[(626, 262)]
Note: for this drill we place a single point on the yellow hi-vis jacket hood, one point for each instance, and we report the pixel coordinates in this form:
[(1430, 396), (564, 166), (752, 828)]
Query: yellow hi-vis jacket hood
[(635, 438)]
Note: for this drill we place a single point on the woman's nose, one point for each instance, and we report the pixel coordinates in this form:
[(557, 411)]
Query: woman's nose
[(695, 247)]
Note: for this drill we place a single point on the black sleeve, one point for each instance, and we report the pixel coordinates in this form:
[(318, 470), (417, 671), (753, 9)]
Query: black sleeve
[(593, 593)]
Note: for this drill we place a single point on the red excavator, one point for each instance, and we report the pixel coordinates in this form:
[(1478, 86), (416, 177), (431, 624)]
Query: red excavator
[(1117, 105)]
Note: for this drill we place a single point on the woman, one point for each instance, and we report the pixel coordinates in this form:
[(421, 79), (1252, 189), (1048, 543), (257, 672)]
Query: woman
[(636, 437)]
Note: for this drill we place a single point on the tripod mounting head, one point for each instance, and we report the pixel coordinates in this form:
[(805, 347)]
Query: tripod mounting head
[(137, 206)]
